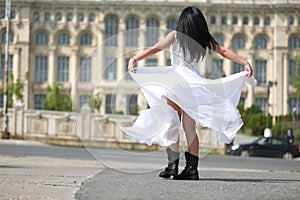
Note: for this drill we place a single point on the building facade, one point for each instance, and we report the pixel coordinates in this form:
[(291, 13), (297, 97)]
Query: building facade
[(85, 45)]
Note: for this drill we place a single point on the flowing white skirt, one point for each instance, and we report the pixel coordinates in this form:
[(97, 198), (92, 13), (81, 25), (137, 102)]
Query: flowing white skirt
[(211, 103)]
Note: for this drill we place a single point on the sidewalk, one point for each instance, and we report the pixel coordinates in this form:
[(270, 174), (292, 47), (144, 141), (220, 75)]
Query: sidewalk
[(34, 177)]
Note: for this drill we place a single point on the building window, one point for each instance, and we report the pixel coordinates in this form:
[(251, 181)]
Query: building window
[(245, 20), (213, 19), (36, 16), (69, 17), (63, 69), (292, 71), (299, 20), (41, 39), (237, 67), (169, 62), (171, 25), (127, 76), (92, 17), (219, 66), (41, 69), (267, 21), (111, 30), (85, 69), (2, 14), (294, 103), (291, 20), (234, 20), (219, 40), (242, 101), (132, 33), (261, 71), (86, 39), (110, 71), (294, 42), (238, 42), (80, 17), (10, 65), (110, 103), (83, 99), (63, 39), (13, 14), (256, 21), (224, 20), (58, 17), (132, 107), (152, 31), (47, 17), (38, 101), (262, 103), (3, 37), (151, 62), (260, 42)]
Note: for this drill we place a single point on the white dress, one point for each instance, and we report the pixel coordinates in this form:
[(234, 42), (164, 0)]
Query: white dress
[(211, 103)]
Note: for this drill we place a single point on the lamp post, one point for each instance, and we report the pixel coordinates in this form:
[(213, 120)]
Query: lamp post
[(5, 90), (294, 112)]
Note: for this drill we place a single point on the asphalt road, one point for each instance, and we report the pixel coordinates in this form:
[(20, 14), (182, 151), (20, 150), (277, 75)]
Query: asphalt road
[(124, 174)]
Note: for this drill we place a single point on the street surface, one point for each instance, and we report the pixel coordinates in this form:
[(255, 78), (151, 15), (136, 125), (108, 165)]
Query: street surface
[(30, 170)]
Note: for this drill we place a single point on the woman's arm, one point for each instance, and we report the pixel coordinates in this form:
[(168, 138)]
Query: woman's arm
[(162, 44), (234, 57)]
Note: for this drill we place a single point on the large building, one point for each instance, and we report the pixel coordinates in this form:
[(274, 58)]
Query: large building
[(86, 44)]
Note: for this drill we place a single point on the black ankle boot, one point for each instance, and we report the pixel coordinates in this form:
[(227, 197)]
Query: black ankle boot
[(190, 171), (173, 161), (171, 170)]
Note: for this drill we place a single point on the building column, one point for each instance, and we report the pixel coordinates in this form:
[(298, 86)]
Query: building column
[(285, 84), (250, 99), (52, 70), (162, 54), (121, 50), (74, 76), (16, 68), (142, 39)]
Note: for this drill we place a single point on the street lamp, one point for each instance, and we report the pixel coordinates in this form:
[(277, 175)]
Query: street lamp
[(294, 112)]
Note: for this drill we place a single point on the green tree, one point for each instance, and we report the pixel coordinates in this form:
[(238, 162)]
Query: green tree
[(55, 100), (14, 89), (95, 102), (296, 79)]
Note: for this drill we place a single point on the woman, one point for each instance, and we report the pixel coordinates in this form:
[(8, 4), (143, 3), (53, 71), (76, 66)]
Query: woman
[(180, 95)]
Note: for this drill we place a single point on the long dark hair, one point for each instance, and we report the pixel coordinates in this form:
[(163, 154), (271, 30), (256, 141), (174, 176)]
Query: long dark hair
[(192, 28)]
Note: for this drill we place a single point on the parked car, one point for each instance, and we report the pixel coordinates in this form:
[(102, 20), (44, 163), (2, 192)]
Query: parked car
[(267, 147)]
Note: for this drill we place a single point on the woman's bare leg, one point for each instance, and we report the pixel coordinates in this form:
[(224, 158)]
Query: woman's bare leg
[(175, 146), (189, 127)]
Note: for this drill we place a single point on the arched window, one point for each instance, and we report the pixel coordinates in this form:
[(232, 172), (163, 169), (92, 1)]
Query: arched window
[(13, 14), (294, 42), (58, 17), (260, 42), (80, 17), (47, 17), (239, 42), (132, 26), (171, 24), (152, 31), (86, 39), (92, 17), (219, 40), (111, 30), (291, 20), (36, 16), (41, 38), (63, 39), (3, 37), (2, 14)]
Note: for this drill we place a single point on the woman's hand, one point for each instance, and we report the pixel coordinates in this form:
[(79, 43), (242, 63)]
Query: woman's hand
[(248, 68), (131, 65)]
